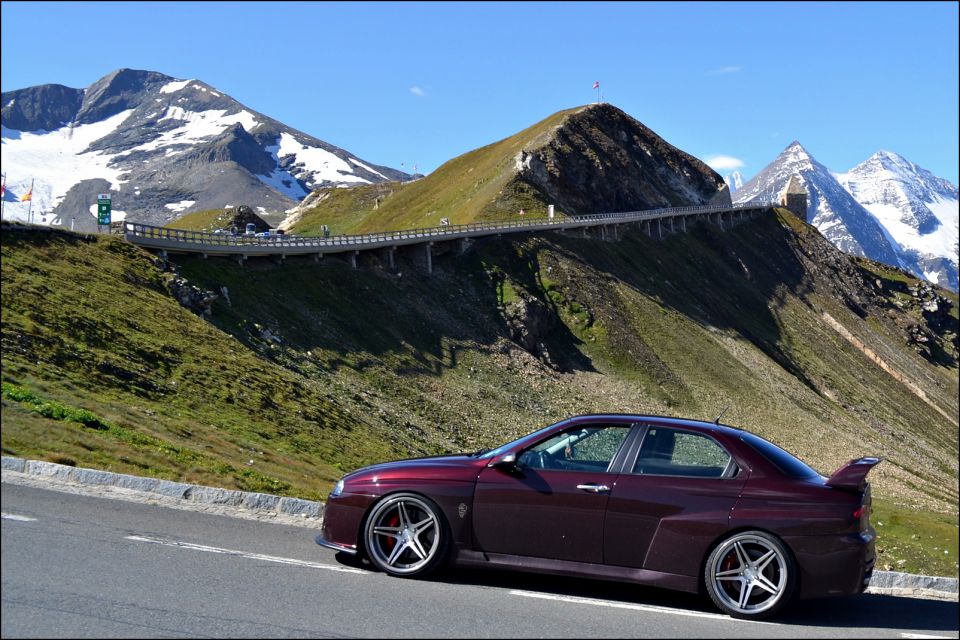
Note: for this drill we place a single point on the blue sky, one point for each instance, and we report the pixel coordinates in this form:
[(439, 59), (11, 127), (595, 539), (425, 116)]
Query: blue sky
[(404, 83)]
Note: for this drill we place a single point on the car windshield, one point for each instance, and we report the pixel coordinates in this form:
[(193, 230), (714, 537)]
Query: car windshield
[(493, 453), (783, 460)]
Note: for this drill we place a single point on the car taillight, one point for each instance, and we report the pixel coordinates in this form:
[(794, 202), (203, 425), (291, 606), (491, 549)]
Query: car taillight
[(862, 512)]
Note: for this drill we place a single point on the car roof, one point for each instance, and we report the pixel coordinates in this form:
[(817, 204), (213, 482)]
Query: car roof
[(660, 420)]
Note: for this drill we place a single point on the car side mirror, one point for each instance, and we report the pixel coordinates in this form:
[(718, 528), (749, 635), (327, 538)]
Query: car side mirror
[(507, 462)]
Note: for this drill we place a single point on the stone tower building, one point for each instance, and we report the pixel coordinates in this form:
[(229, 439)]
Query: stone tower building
[(794, 198)]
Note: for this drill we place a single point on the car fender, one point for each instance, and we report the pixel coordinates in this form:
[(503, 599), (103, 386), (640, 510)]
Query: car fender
[(455, 499)]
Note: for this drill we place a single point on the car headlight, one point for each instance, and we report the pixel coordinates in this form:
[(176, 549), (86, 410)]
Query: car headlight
[(337, 489)]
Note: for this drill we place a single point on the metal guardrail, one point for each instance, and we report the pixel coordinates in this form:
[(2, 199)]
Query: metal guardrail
[(209, 242)]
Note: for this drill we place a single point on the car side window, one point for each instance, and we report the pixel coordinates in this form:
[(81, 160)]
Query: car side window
[(671, 452), (580, 449)]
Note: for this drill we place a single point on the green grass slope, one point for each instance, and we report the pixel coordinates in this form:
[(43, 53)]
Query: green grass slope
[(322, 367), (103, 368), (209, 220)]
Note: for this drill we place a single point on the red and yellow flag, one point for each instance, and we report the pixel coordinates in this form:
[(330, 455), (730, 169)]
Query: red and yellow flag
[(28, 195)]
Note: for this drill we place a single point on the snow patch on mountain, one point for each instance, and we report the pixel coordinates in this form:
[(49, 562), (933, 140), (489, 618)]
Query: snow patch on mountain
[(176, 85), (324, 165), (370, 169), (197, 126), (55, 161), (299, 164), (180, 206)]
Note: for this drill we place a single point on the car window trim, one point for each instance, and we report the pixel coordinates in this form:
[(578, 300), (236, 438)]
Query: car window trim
[(631, 461), (616, 463)]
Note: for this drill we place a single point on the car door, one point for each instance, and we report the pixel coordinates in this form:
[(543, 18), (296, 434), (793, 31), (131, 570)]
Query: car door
[(552, 503), (672, 502)]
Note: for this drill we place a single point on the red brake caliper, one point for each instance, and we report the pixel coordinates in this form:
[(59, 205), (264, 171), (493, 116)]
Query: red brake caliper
[(390, 543), (727, 565)]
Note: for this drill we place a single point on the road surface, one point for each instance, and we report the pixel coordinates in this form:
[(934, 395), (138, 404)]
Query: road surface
[(78, 566)]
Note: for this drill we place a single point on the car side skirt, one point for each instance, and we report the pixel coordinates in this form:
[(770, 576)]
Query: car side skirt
[(468, 558)]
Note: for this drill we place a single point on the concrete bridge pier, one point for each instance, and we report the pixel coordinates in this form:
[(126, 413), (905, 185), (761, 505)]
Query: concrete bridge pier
[(464, 245), (353, 258), (647, 226), (318, 257), (241, 259), (428, 255), (659, 229), (391, 258)]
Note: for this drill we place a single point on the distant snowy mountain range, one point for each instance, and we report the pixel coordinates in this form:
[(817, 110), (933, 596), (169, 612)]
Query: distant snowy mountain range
[(885, 208), (161, 147)]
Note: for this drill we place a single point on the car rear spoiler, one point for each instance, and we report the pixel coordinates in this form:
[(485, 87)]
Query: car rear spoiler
[(852, 476)]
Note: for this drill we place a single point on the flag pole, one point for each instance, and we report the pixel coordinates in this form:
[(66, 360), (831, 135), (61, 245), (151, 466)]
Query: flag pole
[(30, 206)]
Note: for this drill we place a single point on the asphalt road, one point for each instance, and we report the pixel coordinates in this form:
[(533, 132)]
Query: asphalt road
[(77, 566)]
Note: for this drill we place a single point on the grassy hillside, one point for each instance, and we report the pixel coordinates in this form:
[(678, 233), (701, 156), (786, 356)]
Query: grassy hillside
[(323, 368), (470, 188), (208, 220), (102, 368)]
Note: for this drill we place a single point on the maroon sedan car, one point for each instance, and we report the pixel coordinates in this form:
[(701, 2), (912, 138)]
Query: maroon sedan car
[(667, 502)]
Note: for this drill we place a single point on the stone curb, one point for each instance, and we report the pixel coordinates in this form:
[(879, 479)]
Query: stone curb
[(263, 503), (310, 513)]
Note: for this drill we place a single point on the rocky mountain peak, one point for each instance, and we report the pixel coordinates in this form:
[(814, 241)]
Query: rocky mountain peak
[(796, 155), (918, 210), (116, 92), (600, 159), (44, 108)]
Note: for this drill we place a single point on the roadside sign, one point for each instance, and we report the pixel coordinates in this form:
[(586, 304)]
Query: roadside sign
[(103, 208)]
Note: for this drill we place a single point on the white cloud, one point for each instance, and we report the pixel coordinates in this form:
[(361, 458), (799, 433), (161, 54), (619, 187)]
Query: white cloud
[(417, 91), (724, 70), (724, 163)]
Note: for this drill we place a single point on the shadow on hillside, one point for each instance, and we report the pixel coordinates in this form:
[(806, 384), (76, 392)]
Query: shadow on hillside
[(726, 279), (404, 320)]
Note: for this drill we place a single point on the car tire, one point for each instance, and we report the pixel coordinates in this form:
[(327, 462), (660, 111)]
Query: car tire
[(406, 535), (750, 575)]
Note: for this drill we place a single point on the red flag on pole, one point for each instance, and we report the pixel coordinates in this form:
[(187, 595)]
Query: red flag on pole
[(596, 85)]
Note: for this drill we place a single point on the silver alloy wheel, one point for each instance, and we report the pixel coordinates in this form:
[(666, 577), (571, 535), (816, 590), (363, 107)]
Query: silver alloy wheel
[(749, 573), (404, 535)]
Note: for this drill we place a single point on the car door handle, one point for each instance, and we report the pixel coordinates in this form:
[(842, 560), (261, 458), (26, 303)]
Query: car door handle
[(594, 488)]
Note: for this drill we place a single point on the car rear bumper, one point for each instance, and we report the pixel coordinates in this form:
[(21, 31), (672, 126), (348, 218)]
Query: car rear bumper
[(834, 565)]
